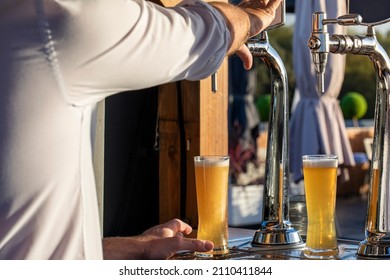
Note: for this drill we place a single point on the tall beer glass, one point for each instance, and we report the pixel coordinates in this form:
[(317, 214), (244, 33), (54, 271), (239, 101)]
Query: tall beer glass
[(211, 176), (320, 180)]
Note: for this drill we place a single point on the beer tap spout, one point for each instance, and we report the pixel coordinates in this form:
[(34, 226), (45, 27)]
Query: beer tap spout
[(320, 42)]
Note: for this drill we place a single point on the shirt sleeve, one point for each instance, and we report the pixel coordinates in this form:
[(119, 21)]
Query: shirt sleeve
[(110, 46)]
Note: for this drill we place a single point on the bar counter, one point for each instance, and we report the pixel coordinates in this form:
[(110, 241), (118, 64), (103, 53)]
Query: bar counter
[(240, 248)]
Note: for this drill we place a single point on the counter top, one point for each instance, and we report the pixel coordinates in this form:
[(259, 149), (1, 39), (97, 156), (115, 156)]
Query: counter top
[(240, 248)]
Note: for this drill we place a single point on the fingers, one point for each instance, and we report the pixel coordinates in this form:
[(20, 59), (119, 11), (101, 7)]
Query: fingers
[(169, 229), (164, 248), (271, 4), (197, 245), (245, 55), (177, 225), (274, 4), (163, 241), (261, 12)]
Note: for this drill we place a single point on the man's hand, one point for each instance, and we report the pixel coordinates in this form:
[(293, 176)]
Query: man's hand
[(262, 13), (244, 21), (158, 242)]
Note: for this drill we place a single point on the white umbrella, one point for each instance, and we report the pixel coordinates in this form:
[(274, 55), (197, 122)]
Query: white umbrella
[(317, 125)]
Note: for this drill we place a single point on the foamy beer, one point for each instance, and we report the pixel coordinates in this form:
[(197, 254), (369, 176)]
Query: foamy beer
[(211, 176), (320, 180)]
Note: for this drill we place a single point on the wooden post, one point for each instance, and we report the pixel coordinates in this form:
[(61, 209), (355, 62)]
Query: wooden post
[(205, 133)]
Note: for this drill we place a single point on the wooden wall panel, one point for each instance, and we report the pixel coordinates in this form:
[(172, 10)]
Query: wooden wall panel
[(205, 131)]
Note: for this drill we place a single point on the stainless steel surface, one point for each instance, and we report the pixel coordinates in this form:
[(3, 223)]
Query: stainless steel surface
[(377, 228), (270, 235), (275, 228), (240, 248)]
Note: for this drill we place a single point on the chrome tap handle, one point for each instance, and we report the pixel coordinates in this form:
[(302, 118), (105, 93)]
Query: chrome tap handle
[(345, 20)]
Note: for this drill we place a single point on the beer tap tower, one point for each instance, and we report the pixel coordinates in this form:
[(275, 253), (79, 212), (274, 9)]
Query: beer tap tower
[(275, 229), (377, 228)]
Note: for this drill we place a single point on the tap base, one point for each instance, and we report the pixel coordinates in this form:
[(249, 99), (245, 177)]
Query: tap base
[(285, 236), (374, 249)]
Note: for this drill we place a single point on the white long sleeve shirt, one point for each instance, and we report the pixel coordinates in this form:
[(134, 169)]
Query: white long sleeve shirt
[(58, 58)]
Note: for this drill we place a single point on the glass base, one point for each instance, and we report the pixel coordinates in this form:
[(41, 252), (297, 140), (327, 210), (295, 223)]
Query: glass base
[(321, 254), (216, 252)]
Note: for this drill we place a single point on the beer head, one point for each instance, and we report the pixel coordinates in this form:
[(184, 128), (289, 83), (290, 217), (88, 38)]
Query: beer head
[(211, 161), (320, 161)]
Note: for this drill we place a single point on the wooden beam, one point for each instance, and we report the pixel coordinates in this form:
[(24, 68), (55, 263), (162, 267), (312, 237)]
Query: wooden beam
[(205, 133)]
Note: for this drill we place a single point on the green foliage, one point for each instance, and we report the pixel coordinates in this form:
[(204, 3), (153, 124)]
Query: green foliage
[(353, 105), (263, 104), (360, 77), (360, 74)]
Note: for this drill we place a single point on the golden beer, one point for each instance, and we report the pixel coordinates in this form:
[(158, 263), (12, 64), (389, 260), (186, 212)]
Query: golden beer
[(320, 180), (372, 211), (211, 176)]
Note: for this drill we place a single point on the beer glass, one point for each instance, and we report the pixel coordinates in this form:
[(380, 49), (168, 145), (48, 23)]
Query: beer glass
[(211, 177), (320, 180)]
